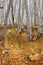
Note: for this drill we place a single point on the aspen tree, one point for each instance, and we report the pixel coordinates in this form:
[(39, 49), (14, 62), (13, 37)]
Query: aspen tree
[(19, 16), (28, 22), (39, 18)]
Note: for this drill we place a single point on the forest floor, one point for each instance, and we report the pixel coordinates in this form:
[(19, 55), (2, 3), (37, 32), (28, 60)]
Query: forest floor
[(20, 51)]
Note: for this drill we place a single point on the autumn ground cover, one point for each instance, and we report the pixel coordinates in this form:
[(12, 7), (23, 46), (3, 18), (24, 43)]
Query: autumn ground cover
[(19, 51)]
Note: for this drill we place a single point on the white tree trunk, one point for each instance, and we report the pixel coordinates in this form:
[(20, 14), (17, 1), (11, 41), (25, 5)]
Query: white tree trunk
[(28, 22), (42, 13), (39, 19), (6, 17), (22, 14), (19, 16), (35, 12)]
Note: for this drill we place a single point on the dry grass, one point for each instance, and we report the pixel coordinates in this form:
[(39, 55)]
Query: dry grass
[(21, 52)]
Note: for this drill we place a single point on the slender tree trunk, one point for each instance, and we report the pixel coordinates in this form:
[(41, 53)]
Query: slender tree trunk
[(42, 13), (39, 19), (35, 12), (22, 14), (5, 21), (19, 16), (12, 14), (27, 16), (30, 18)]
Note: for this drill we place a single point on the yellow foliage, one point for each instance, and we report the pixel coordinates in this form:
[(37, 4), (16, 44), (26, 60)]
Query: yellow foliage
[(3, 52)]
